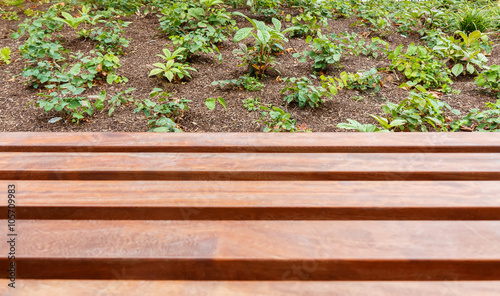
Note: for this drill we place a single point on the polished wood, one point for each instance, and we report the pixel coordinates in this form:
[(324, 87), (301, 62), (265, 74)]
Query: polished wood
[(249, 166), (252, 142), (249, 288), (258, 250), (259, 214), (258, 200)]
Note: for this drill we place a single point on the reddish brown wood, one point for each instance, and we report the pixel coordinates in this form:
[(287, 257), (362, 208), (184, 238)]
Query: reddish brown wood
[(309, 191), (258, 250), (250, 288), (261, 200), (250, 166), (252, 142)]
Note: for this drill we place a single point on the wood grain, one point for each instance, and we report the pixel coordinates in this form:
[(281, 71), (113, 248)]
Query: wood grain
[(258, 250), (249, 166), (252, 142), (258, 200), (249, 288)]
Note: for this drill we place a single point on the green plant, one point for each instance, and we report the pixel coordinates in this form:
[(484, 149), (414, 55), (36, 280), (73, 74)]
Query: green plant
[(71, 21), (466, 55), (472, 19), (376, 18), (251, 104), (9, 15), (276, 120), (109, 39), (70, 102), (355, 125), (210, 102), (356, 45), (325, 52), (172, 70), (490, 79), (420, 66), (102, 67), (267, 39), (361, 80), (119, 99), (307, 24), (303, 92), (194, 43), (483, 121), (5, 55), (415, 113), (162, 114), (243, 82)]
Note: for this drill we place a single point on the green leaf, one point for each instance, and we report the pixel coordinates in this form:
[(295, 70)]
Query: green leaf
[(457, 69), (210, 103), (155, 72), (242, 34), (169, 75), (222, 102), (277, 24)]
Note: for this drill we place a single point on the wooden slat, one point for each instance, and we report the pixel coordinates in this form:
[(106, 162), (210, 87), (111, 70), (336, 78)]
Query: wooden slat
[(257, 250), (223, 288), (251, 142), (249, 166), (260, 200)]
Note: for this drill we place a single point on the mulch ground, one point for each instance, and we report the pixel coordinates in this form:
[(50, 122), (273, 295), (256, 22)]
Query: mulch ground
[(17, 114)]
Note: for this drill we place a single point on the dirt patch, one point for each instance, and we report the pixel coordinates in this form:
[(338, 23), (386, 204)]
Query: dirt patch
[(17, 114)]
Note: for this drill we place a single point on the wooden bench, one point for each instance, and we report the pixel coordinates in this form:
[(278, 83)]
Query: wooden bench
[(253, 214)]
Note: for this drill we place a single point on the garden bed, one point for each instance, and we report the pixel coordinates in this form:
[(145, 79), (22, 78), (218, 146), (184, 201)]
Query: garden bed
[(18, 110)]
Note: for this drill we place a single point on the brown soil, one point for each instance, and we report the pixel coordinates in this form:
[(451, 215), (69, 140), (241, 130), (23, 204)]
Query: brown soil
[(147, 42)]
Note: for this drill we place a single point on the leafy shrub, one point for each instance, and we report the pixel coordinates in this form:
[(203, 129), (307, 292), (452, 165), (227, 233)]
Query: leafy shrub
[(69, 102), (483, 121), (259, 58), (420, 66), (307, 24), (415, 113), (127, 6), (276, 120), (243, 82), (119, 99), (361, 80), (464, 56), (5, 54), (109, 39), (367, 128), (356, 45), (376, 18), (472, 19), (182, 17), (325, 52), (196, 42), (490, 79), (162, 114), (251, 104), (304, 92), (172, 70)]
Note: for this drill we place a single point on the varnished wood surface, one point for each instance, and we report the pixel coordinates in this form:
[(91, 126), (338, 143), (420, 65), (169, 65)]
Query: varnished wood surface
[(236, 288), (258, 200), (249, 166), (251, 142), (298, 207), (258, 250)]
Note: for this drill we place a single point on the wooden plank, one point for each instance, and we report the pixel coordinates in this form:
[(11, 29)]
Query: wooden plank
[(252, 142), (259, 200), (222, 288), (257, 250), (249, 166)]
